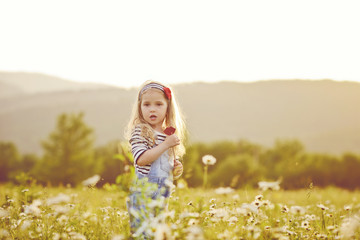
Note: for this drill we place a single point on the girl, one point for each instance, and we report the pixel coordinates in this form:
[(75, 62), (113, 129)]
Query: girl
[(155, 154)]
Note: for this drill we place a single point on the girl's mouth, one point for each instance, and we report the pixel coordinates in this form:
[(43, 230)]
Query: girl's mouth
[(152, 117)]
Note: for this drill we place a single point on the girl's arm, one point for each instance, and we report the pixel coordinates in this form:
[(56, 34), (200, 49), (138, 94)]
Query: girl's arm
[(154, 153)]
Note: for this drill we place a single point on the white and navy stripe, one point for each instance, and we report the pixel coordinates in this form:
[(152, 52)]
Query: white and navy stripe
[(151, 85), (139, 144)]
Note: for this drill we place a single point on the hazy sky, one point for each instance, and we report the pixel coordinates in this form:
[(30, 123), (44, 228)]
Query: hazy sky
[(127, 42)]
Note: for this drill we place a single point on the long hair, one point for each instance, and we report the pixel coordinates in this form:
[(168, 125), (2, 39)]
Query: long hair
[(173, 118)]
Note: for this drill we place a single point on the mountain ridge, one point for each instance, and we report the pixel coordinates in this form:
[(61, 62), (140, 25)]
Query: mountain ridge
[(323, 115)]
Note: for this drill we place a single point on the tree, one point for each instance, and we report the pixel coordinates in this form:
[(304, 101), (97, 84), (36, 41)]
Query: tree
[(9, 159), (68, 152)]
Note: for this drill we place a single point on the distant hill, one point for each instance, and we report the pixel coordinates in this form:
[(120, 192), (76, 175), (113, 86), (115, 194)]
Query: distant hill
[(323, 115), (36, 83)]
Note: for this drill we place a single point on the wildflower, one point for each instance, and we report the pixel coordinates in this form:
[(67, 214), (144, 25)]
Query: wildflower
[(269, 185), (209, 160), (347, 208), (189, 214), (222, 190), (63, 219), (253, 232), (305, 224), (297, 210), (257, 203), (58, 209), (33, 209), (322, 207), (118, 237), (236, 197), (77, 236), (241, 211), (212, 200), (192, 221), (224, 235), (25, 225), (181, 184), (60, 198), (259, 197), (24, 190), (163, 232), (194, 233), (92, 181), (249, 207), (4, 234), (267, 204), (220, 213), (349, 227), (284, 209), (56, 236), (3, 213), (233, 219)]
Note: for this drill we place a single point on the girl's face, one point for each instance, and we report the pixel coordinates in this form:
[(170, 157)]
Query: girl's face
[(153, 108)]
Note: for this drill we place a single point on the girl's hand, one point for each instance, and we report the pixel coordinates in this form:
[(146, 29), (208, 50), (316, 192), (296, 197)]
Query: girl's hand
[(178, 169), (172, 141)]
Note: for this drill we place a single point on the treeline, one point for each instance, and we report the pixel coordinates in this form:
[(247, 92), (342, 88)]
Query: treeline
[(69, 157), (243, 164)]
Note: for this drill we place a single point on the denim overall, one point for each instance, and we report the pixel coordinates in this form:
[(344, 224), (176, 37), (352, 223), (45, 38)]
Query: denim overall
[(148, 188)]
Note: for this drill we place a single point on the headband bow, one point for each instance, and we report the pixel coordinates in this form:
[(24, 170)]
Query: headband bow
[(165, 90)]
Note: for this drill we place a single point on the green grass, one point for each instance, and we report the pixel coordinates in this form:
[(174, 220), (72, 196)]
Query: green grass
[(84, 213)]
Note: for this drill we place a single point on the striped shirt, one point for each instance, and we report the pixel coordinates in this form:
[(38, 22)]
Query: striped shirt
[(139, 144)]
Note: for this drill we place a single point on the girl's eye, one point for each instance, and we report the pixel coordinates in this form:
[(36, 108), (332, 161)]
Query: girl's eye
[(146, 104), (159, 104)]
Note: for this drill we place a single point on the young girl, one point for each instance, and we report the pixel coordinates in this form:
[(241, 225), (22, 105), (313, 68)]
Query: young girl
[(155, 153)]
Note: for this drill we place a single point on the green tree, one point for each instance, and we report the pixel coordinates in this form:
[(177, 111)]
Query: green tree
[(68, 152), (235, 171), (9, 159), (115, 159)]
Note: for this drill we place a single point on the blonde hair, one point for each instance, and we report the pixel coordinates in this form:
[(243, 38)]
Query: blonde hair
[(173, 118)]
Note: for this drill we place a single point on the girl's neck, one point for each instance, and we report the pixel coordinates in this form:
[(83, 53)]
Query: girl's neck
[(158, 129)]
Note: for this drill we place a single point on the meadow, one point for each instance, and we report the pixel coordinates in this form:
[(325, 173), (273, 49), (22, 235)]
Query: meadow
[(36, 212)]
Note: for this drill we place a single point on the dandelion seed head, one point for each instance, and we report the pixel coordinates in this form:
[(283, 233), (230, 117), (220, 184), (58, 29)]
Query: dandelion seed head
[(209, 160), (92, 181)]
